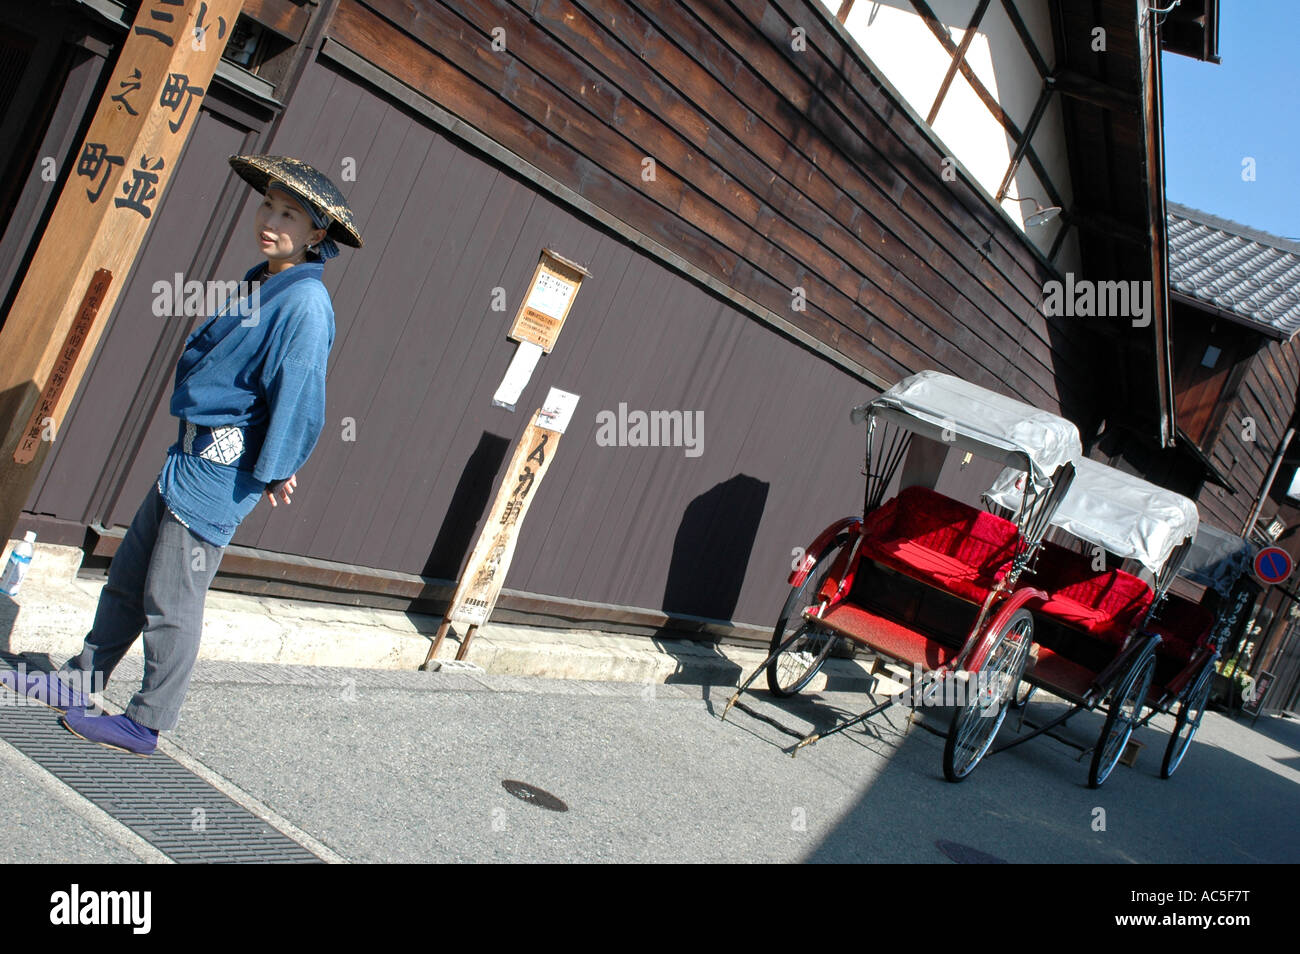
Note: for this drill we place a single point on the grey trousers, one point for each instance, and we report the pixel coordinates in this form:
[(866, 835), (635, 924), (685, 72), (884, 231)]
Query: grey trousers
[(157, 583)]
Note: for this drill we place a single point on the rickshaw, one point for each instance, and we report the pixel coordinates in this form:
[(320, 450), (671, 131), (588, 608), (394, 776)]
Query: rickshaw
[(1193, 635), (923, 579), (1105, 638)]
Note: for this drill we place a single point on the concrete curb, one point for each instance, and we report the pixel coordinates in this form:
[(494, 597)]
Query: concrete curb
[(55, 608)]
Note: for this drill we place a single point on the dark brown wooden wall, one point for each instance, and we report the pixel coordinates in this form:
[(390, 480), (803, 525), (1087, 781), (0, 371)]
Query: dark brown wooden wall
[(774, 168), (1267, 395), (95, 471), (799, 172)]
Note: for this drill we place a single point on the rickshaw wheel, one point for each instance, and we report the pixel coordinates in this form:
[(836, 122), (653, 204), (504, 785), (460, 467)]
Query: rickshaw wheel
[(803, 649), (1190, 711), (1125, 710), (1021, 699), (975, 724)]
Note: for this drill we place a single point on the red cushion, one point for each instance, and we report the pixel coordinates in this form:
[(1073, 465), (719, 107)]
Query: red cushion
[(1106, 603), (1184, 627), (941, 541)]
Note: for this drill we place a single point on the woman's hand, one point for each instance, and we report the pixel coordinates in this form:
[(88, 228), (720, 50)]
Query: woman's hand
[(282, 487)]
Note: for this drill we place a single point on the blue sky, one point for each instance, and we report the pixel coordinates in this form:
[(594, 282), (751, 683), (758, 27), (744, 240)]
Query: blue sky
[(1246, 106)]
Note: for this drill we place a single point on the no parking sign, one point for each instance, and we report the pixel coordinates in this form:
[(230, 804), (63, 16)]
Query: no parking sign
[(1273, 565)]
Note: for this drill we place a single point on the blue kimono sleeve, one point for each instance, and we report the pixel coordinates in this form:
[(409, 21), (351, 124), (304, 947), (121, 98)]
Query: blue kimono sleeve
[(293, 382)]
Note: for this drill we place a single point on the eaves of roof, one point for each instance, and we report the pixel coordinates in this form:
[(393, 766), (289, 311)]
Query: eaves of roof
[(1241, 273)]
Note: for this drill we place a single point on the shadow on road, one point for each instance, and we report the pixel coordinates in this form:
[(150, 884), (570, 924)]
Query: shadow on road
[(1017, 801)]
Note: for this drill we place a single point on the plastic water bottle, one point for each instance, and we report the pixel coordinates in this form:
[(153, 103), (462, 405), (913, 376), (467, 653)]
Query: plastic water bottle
[(20, 558)]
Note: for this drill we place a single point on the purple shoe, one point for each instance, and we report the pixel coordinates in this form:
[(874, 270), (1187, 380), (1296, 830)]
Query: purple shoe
[(116, 732), (45, 687)]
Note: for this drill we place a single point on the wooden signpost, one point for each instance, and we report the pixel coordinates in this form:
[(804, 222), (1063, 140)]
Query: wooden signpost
[(538, 321), (485, 573), (122, 170)]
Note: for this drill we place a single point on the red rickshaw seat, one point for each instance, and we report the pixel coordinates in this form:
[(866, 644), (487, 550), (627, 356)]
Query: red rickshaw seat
[(1184, 627), (941, 541), (1104, 603)]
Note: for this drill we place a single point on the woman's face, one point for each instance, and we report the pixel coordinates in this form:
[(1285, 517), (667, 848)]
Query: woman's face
[(283, 231)]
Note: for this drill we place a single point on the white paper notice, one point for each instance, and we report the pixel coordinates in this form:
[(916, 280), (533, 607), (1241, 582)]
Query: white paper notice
[(517, 375), (550, 295), (557, 410)]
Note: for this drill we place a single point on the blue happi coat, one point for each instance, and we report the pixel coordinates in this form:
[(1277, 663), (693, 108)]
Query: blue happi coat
[(264, 373)]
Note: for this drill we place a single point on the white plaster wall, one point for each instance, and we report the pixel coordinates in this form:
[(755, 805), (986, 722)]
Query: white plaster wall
[(904, 51)]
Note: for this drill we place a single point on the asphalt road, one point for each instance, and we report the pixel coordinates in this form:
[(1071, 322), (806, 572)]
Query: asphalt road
[(381, 766)]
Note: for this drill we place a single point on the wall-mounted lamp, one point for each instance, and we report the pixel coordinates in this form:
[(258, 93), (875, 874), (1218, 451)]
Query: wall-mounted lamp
[(1041, 215)]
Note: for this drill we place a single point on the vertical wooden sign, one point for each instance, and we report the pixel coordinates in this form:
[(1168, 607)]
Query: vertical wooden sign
[(122, 170), (485, 573)]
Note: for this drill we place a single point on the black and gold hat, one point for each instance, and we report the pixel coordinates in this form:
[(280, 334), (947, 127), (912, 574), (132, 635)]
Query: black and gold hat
[(307, 182)]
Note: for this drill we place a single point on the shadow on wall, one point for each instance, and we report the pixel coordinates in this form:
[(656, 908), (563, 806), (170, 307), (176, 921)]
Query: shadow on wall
[(469, 503), (710, 558)]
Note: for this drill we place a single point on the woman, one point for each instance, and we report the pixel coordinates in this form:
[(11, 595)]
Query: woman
[(250, 396)]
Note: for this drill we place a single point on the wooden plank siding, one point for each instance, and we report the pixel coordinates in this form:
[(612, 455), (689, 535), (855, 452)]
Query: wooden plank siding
[(129, 378), (774, 169), (418, 353), (1267, 395)]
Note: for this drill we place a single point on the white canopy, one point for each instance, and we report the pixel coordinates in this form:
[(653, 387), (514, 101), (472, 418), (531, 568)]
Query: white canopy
[(976, 419), (1127, 515)]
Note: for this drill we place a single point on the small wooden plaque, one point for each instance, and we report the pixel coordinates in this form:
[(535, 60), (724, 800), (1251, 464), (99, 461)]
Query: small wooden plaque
[(550, 295), (61, 373)]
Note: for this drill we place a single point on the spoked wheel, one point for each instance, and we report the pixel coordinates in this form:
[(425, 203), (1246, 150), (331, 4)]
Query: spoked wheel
[(1024, 692), (988, 691), (803, 647), (1125, 710), (1189, 720)]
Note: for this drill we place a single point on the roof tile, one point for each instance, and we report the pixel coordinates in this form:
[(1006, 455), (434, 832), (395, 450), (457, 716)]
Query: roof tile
[(1252, 274)]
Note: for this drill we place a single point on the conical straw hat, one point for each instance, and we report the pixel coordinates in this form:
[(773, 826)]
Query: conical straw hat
[(306, 181)]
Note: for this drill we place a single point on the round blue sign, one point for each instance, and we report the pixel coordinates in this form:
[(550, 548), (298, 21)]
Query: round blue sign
[(1273, 565)]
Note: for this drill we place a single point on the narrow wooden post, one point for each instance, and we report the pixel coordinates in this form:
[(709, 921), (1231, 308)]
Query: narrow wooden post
[(99, 223)]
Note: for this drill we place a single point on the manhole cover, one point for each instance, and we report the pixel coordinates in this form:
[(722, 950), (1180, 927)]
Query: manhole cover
[(966, 855), (534, 795)]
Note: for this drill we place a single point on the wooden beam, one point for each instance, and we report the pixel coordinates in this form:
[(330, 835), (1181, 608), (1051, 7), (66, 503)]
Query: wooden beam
[(1023, 32), (1078, 86), (990, 101), (123, 167), (843, 13), (285, 17), (1100, 223), (1040, 107), (958, 58), (1153, 134), (987, 98)]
